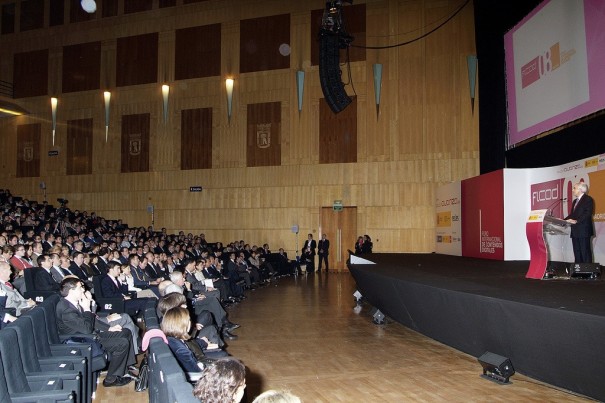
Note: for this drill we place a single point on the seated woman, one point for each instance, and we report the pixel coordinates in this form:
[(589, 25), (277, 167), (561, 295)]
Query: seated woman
[(126, 278), (188, 352)]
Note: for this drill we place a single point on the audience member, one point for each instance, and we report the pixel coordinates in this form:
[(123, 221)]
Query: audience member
[(222, 382)]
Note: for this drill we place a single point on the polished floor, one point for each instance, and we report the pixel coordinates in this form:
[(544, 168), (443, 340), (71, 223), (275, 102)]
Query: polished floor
[(304, 336)]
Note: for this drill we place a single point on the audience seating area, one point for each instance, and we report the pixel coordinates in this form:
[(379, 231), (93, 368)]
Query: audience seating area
[(35, 364)]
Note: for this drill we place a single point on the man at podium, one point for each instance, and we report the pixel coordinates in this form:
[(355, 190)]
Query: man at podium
[(580, 218)]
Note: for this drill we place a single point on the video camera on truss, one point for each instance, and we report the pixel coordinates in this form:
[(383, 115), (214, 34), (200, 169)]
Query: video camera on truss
[(332, 23)]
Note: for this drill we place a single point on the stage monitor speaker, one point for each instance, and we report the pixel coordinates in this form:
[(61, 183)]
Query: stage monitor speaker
[(496, 368), (588, 271), (330, 73)]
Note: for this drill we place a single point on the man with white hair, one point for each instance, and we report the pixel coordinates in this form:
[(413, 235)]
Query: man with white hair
[(580, 218)]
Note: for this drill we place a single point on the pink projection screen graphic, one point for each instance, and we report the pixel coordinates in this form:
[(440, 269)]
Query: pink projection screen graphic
[(555, 66)]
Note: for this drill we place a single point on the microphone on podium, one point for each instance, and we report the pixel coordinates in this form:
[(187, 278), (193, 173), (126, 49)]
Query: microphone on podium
[(549, 210)]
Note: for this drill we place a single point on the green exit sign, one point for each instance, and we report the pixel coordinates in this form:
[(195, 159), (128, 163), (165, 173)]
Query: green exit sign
[(337, 206)]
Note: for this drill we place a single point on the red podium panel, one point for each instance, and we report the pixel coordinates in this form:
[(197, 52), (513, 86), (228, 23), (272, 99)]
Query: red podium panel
[(537, 223)]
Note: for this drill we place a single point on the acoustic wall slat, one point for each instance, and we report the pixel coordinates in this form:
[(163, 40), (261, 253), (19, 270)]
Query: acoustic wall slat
[(32, 14), (265, 43), (30, 73), (81, 67), (110, 8), (79, 147), (264, 134), (338, 134), (28, 150), (8, 18), (196, 44), (196, 138), (137, 6), (137, 60), (57, 12), (135, 143)]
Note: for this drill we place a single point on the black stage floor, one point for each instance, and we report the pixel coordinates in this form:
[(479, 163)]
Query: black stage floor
[(552, 330)]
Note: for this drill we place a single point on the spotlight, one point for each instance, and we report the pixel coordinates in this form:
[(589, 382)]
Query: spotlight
[(90, 6), (377, 317), (357, 296), (496, 368)]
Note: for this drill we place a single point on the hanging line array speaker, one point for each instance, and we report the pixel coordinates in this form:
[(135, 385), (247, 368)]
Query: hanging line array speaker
[(330, 73)]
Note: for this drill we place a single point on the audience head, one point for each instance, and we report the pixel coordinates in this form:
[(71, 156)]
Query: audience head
[(68, 284), (223, 381), (171, 300), (276, 396), (176, 323), (5, 271), (162, 287), (173, 288)]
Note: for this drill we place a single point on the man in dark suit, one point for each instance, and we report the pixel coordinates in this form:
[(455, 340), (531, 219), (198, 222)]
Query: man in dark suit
[(74, 316), (323, 252), (111, 287), (582, 228), (43, 280), (308, 253), (103, 260), (76, 266)]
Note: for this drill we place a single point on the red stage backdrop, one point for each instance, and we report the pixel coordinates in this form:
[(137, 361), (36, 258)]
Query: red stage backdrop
[(483, 216)]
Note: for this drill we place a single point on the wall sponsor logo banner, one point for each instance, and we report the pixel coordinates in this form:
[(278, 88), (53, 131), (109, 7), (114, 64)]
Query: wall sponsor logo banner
[(447, 215)]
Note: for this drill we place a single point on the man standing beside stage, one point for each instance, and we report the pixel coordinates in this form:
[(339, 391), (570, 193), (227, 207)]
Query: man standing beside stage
[(582, 228), (323, 250)]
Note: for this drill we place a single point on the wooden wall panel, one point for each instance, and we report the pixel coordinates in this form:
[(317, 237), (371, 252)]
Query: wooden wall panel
[(135, 143), (197, 52), (264, 134), (8, 18), (30, 73), (424, 135), (28, 150), (337, 134), (32, 14), (81, 67), (196, 138), (167, 3), (57, 12), (137, 6), (137, 60), (109, 8), (260, 42), (79, 147)]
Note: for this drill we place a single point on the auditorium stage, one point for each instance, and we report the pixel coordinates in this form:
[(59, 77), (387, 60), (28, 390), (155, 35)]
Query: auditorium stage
[(552, 330)]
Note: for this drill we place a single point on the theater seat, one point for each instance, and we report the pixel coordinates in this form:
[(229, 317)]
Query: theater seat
[(18, 381), (34, 346), (50, 396)]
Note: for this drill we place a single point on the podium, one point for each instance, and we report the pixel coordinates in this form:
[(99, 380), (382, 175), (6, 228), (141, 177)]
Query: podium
[(538, 223)]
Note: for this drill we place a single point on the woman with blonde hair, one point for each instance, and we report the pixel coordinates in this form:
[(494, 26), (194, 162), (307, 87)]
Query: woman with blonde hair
[(190, 353)]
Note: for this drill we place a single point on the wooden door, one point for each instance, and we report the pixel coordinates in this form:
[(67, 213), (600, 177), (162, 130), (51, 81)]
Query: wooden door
[(340, 228)]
